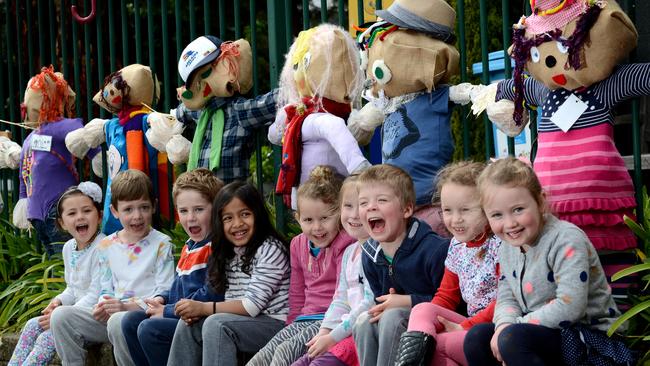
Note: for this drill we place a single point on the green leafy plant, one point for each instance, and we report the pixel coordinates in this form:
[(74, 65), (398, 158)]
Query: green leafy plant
[(639, 314), (28, 279)]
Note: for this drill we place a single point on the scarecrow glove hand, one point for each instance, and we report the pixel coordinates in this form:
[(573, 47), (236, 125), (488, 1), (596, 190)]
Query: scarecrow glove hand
[(178, 149), (482, 98), (94, 132), (500, 113), (162, 128), (462, 93), (362, 123), (98, 165), (9, 153), (20, 214), (76, 143)]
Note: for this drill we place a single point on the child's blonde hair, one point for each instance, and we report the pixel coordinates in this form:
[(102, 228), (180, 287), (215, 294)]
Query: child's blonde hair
[(131, 185), (464, 173), (395, 178), (201, 180), (324, 184), (349, 183), (511, 172)]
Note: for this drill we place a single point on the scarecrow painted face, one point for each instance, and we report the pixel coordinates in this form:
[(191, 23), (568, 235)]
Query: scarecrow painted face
[(608, 42), (406, 61), (130, 86), (229, 74)]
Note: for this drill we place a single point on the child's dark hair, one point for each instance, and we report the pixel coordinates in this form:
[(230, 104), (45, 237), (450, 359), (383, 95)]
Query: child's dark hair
[(82, 190), (222, 248)]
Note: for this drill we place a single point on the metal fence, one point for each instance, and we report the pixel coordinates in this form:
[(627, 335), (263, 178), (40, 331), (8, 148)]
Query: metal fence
[(41, 32)]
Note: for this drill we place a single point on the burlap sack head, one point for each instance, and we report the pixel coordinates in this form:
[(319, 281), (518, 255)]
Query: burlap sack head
[(608, 43), (131, 86), (230, 73), (407, 61), (323, 61), (48, 98)]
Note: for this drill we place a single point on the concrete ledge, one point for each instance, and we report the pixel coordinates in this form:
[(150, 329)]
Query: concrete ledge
[(98, 355)]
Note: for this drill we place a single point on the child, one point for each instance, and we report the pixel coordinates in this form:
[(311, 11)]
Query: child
[(552, 277), (315, 263), (333, 345), (78, 212), (403, 261), (435, 329), (136, 262), (149, 333), (250, 264)]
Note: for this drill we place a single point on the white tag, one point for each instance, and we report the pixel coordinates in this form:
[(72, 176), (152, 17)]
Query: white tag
[(41, 143), (569, 112)]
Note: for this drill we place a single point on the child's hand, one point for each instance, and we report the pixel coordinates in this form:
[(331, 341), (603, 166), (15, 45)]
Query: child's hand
[(44, 321), (51, 306), (186, 309), (112, 305), (392, 300), (449, 325), (320, 345), (154, 308), (494, 342), (158, 299), (100, 314)]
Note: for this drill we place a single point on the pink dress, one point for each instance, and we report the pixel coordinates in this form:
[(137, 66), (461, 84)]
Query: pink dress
[(581, 171)]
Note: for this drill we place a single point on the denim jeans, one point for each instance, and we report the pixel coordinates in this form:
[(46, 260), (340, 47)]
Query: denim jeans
[(51, 238), (149, 339)]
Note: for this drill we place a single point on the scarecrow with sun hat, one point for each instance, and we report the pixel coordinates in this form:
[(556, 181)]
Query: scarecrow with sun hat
[(409, 56), (572, 50), (216, 75)]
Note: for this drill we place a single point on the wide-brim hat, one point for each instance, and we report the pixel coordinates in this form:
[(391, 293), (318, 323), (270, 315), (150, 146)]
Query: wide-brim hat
[(199, 52), (548, 15), (433, 17)]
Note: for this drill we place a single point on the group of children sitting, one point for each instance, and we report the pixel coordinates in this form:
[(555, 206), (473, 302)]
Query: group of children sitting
[(364, 283)]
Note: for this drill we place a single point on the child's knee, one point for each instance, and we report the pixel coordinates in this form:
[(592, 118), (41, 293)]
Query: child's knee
[(59, 315)]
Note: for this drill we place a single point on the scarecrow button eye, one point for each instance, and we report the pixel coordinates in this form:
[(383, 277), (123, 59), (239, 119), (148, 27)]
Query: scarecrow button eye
[(534, 54), (561, 47), (381, 72), (295, 67), (206, 73), (187, 94)]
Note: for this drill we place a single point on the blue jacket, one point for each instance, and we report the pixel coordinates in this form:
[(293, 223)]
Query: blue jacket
[(417, 268), (191, 279)]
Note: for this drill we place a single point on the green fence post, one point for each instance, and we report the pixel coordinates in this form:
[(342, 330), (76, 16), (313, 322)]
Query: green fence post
[(125, 34), (489, 138), (505, 22), (341, 14), (165, 45), (237, 5), (31, 65), (306, 24), (111, 38), (207, 17), (89, 83), (277, 49), (222, 19), (323, 11), (101, 73), (192, 11), (52, 24), (138, 31), (41, 39), (179, 36), (460, 10)]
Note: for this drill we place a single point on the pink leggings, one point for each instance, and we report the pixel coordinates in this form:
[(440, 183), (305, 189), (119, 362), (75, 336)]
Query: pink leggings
[(449, 345)]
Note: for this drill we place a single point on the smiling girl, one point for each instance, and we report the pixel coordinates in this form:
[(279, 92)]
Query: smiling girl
[(315, 263), (250, 265), (78, 212)]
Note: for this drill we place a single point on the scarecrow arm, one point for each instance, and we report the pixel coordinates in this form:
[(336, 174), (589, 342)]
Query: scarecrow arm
[(535, 93), (9, 153), (81, 140), (627, 81), (257, 112), (363, 122), (333, 130), (276, 130)]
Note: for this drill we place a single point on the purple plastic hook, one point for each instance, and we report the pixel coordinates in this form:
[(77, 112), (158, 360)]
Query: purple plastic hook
[(84, 20)]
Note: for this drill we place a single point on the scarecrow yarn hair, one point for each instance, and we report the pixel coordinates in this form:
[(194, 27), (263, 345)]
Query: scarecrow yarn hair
[(55, 94)]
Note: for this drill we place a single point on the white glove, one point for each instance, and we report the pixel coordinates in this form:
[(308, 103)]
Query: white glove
[(162, 128), (97, 165), (463, 93), (362, 123), (9, 153), (94, 132), (500, 113), (178, 149), (20, 214), (76, 144), (484, 97)]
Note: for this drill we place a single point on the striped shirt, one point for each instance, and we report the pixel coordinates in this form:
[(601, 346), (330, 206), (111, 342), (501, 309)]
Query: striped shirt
[(627, 81), (266, 289)]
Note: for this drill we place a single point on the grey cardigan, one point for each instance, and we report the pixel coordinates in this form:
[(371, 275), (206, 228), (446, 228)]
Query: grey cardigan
[(557, 281)]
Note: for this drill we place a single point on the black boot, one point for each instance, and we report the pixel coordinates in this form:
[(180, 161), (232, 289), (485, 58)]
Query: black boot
[(415, 349)]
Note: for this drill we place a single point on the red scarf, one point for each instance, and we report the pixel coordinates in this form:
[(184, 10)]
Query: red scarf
[(292, 142)]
